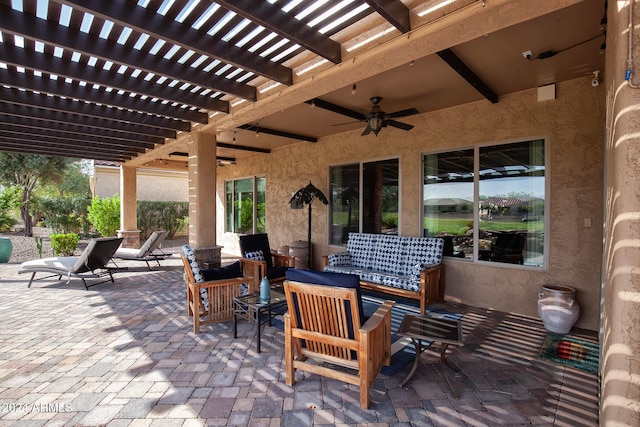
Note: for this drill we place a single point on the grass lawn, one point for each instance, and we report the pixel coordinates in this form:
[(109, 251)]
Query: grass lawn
[(459, 226)]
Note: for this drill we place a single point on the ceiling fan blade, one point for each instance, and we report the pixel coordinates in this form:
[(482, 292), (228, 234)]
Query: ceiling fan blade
[(326, 105), (404, 113), (366, 131), (346, 123), (399, 125)]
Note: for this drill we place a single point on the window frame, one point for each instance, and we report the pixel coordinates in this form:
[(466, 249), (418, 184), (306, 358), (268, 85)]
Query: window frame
[(476, 198), (360, 164), (254, 181)]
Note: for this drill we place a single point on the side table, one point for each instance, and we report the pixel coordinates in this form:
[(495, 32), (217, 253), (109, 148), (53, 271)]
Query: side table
[(426, 329), (252, 308)]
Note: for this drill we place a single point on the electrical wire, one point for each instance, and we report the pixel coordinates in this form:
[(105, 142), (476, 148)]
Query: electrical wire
[(551, 53)]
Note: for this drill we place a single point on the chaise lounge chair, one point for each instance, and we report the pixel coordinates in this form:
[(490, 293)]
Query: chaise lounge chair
[(149, 251), (92, 263)]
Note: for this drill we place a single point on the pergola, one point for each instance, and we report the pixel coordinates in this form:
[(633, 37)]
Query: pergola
[(124, 80)]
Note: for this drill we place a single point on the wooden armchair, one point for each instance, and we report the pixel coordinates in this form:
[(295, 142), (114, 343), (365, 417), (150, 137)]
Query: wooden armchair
[(323, 324), (261, 261), (210, 293)]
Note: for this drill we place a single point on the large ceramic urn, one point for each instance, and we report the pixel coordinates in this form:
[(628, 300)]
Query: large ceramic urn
[(558, 308), (5, 250)]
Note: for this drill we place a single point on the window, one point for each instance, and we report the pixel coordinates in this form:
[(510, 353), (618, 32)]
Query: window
[(488, 203), (364, 198), (245, 205)]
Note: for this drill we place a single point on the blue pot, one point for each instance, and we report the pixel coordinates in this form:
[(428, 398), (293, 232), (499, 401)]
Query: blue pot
[(5, 250)]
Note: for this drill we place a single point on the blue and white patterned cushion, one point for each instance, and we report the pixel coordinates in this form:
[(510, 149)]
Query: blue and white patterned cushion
[(393, 261), (340, 259), (386, 254), (419, 251), (197, 274), (417, 269), (255, 255), (362, 248)]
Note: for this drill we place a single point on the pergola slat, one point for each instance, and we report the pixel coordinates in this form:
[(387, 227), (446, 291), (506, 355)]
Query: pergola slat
[(127, 13), (52, 33), (99, 96), (282, 23), (37, 61), (18, 110)]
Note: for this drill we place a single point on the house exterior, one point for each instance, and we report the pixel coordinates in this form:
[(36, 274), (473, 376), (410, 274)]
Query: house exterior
[(152, 184), (590, 134)]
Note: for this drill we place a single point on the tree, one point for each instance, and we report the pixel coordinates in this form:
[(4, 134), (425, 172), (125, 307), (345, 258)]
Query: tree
[(25, 171)]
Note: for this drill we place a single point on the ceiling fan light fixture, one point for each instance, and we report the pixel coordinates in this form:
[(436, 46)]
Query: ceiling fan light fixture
[(375, 123)]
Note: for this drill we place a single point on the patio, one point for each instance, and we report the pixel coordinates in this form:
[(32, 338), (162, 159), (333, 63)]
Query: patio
[(124, 354)]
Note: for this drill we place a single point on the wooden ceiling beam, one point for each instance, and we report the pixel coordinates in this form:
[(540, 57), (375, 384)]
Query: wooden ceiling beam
[(275, 20), (242, 147), (147, 21), (393, 11), (21, 24), (461, 68)]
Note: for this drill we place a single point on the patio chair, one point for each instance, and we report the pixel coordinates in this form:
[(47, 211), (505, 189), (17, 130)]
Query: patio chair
[(91, 264), (324, 325), (262, 260), (509, 248), (148, 252), (210, 293)]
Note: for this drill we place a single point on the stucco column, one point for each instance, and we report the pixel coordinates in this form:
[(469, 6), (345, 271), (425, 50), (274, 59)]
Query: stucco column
[(128, 208), (620, 328), (202, 198)]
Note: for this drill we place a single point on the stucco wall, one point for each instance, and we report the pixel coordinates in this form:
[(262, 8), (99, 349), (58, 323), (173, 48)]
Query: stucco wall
[(151, 185), (574, 124)]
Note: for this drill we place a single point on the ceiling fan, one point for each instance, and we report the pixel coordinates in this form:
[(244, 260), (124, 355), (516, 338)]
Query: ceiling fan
[(376, 119)]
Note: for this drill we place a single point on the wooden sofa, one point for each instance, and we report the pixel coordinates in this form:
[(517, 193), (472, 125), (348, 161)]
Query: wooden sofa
[(409, 267)]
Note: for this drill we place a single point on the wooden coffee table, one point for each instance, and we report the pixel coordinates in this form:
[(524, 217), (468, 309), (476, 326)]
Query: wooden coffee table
[(427, 329)]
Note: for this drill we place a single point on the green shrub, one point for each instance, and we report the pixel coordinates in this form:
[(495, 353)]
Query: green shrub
[(64, 244), (104, 214), (66, 214), (10, 199), (170, 216)]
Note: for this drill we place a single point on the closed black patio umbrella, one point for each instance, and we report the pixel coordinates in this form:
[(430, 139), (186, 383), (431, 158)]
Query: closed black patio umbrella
[(306, 196)]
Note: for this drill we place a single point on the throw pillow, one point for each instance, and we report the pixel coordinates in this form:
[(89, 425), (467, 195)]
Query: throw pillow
[(227, 272), (255, 255)]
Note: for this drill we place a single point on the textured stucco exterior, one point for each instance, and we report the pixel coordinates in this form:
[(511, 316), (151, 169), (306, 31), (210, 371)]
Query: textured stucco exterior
[(574, 126), (620, 330), (151, 185)]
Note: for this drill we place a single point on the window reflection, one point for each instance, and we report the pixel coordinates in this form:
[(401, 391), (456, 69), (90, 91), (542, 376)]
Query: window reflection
[(370, 208), (245, 205), (510, 202), (448, 201)]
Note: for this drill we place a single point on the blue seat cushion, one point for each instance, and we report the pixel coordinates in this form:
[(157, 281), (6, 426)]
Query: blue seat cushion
[(325, 278), (276, 272)]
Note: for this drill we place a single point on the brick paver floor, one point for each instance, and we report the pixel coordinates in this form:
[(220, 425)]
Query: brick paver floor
[(124, 354)]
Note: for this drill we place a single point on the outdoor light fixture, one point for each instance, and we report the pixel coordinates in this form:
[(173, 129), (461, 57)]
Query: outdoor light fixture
[(375, 119)]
